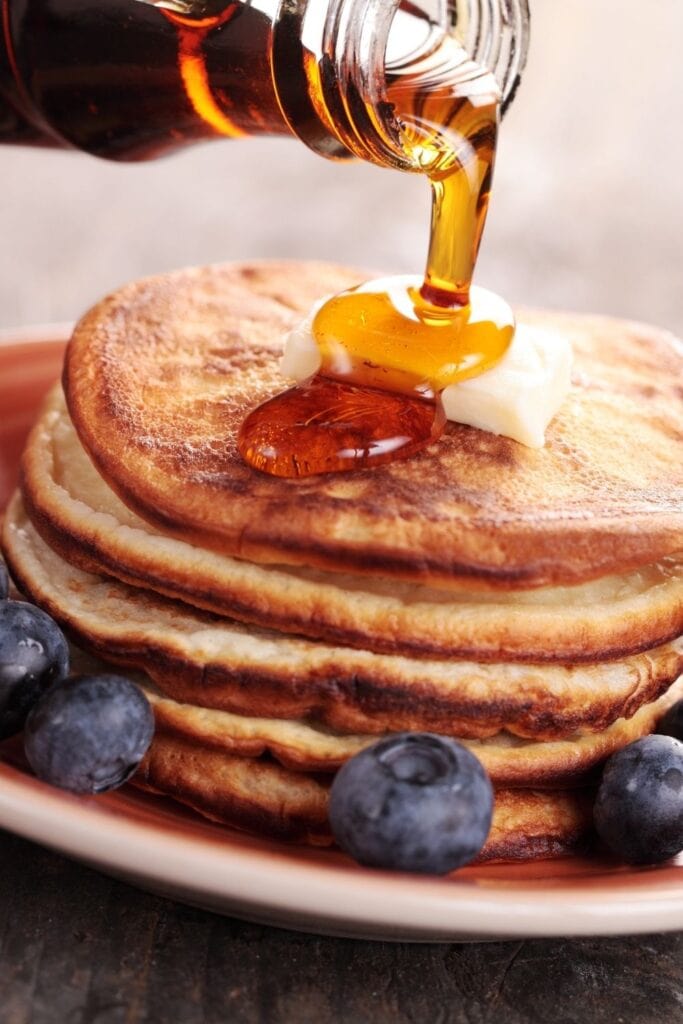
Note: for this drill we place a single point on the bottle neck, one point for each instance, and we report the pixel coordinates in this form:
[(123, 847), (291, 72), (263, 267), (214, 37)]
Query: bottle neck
[(333, 63), (337, 71)]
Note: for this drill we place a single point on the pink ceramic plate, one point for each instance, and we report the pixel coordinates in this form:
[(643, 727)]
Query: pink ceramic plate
[(159, 846)]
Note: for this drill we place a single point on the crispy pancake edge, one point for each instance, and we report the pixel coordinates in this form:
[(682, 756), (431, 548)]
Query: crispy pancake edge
[(279, 599), (263, 797), (353, 691), (229, 319), (301, 747)]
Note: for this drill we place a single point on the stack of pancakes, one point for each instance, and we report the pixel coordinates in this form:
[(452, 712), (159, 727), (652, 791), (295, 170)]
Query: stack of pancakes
[(529, 603)]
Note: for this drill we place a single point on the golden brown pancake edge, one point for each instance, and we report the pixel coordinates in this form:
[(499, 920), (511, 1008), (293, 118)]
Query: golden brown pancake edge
[(305, 746), (159, 375), (65, 497), (350, 690), (263, 797)]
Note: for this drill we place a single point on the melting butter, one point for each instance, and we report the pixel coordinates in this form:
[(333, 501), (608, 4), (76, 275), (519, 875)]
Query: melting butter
[(518, 398)]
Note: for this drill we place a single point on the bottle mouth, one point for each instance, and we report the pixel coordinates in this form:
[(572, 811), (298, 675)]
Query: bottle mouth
[(495, 34), (333, 64)]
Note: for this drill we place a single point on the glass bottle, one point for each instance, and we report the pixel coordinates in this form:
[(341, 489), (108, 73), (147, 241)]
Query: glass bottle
[(134, 79)]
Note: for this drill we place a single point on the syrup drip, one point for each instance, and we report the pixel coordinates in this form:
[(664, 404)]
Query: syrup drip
[(404, 339)]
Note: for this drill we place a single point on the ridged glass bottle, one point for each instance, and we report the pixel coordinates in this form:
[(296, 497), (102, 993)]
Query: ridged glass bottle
[(134, 79)]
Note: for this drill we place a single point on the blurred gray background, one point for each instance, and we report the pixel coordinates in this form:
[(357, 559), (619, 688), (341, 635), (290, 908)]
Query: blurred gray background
[(587, 207)]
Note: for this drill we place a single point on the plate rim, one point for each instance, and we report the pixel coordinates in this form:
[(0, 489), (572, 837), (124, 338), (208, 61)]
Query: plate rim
[(348, 898), (34, 334)]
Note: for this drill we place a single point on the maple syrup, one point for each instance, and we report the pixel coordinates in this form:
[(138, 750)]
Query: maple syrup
[(326, 426), (404, 340)]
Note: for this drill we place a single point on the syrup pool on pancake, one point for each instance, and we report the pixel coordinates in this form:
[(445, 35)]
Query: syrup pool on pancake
[(389, 348)]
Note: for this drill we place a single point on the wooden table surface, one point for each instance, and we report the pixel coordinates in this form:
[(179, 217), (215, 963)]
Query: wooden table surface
[(79, 948)]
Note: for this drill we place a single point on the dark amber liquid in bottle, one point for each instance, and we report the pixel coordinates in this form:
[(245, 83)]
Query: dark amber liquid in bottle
[(126, 81)]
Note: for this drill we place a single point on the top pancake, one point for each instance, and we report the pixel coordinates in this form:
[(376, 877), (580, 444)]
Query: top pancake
[(160, 375)]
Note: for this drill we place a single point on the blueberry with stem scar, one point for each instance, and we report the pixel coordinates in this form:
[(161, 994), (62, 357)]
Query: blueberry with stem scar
[(413, 802)]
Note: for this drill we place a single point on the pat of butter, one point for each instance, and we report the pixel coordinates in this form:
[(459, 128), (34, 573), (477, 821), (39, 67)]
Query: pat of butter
[(517, 398), (520, 396), (301, 358)]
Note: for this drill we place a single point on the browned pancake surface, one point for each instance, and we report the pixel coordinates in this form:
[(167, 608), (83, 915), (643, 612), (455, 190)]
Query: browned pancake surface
[(308, 746), (263, 797), (82, 519), (160, 375), (197, 658)]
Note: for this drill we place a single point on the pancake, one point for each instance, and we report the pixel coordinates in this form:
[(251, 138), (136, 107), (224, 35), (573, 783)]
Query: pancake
[(159, 376), (197, 658), (81, 517), (262, 796), (307, 746), (526, 823)]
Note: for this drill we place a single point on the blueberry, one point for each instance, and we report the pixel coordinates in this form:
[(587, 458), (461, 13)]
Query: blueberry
[(89, 734), (672, 722), (412, 802), (4, 581), (33, 655), (639, 808)]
